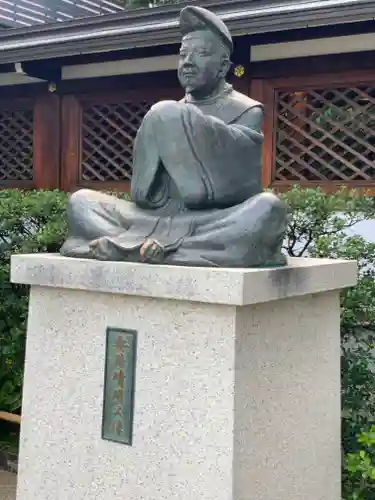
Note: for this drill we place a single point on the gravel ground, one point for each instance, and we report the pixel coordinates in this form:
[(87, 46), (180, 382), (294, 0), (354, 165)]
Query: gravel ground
[(7, 486)]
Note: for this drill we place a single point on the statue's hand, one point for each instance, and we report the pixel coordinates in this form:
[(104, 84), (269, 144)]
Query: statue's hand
[(152, 251)]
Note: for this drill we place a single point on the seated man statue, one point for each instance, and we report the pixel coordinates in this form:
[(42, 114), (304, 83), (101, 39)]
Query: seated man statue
[(196, 188)]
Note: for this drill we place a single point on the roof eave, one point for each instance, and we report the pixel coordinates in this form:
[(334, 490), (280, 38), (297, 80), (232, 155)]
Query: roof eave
[(150, 28)]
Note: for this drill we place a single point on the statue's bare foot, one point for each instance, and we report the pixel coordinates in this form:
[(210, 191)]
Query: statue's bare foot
[(94, 244), (152, 252), (98, 248)]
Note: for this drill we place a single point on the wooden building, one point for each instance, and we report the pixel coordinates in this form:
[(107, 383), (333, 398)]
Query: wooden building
[(73, 93)]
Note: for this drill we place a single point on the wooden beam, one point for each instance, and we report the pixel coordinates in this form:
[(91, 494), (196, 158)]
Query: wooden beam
[(10, 417)]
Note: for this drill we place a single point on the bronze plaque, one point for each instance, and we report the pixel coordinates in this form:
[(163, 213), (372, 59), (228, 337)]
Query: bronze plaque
[(119, 383)]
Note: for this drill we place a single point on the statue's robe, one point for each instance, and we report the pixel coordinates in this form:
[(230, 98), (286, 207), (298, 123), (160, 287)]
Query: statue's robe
[(195, 189)]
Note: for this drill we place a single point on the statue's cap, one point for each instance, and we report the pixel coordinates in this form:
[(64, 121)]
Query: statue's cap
[(194, 18)]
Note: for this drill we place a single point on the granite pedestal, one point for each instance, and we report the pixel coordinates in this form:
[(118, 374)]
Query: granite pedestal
[(237, 390)]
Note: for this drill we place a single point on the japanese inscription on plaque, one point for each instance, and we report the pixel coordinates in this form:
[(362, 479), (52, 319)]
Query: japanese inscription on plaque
[(118, 404)]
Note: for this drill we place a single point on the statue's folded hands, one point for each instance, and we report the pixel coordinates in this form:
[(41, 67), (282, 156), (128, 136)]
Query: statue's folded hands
[(196, 187)]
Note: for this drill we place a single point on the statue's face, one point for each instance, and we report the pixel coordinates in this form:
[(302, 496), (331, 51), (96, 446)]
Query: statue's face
[(203, 62)]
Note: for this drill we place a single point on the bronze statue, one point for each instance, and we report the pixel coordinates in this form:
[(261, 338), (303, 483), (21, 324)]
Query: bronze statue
[(196, 189)]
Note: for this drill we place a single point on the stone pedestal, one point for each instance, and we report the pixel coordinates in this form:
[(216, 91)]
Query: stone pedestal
[(237, 390)]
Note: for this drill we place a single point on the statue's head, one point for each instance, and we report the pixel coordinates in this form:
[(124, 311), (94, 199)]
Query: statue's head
[(205, 51)]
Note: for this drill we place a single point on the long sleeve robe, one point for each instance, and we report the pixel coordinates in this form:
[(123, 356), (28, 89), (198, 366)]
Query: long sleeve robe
[(210, 154)]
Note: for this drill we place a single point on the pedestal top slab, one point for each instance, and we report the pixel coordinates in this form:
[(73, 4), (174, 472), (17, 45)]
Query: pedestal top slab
[(236, 287)]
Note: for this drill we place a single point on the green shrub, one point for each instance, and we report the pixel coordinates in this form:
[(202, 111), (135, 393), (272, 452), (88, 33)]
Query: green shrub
[(35, 222), (29, 222), (360, 468)]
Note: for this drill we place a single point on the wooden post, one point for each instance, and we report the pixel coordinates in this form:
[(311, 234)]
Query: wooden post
[(71, 119), (47, 141), (264, 93)]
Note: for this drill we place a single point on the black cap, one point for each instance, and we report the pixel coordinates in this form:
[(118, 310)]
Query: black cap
[(194, 18)]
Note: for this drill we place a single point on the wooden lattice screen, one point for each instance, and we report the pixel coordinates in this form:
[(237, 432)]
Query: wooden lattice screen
[(98, 131), (108, 132), (16, 142), (320, 132)]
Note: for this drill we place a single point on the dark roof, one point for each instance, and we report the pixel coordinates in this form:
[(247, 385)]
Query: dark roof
[(20, 13), (158, 26)]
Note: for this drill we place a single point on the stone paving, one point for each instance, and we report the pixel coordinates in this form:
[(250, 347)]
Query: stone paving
[(8, 482)]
